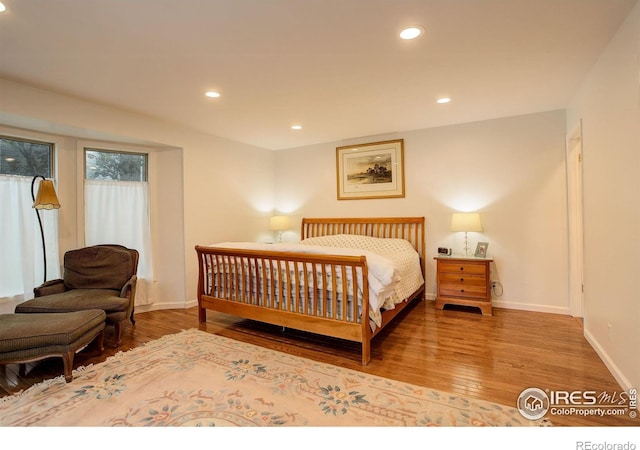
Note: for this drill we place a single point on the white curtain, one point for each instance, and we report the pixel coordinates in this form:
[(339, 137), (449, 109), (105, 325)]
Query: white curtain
[(21, 261), (117, 212)]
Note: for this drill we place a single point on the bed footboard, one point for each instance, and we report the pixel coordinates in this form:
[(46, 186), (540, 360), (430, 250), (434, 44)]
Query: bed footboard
[(322, 294)]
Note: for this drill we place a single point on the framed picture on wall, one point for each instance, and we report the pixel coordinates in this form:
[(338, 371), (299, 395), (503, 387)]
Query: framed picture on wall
[(481, 250), (374, 170)]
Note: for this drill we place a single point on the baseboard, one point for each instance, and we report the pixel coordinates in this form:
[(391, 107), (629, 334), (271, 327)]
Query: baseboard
[(427, 296), (613, 368), (520, 306), (531, 307), (159, 306)]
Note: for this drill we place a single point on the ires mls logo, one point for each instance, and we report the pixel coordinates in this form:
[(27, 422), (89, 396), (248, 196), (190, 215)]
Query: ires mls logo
[(534, 403)]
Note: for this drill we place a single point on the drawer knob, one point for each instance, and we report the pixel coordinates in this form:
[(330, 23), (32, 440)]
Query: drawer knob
[(461, 290), (461, 268), (461, 279)]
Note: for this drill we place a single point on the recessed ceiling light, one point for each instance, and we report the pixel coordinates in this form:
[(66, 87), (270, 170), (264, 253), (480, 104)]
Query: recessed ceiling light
[(411, 32), (2, 7), (443, 100), (212, 94), (296, 127)]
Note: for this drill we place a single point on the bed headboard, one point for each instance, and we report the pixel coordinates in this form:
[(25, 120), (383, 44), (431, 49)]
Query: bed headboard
[(409, 228)]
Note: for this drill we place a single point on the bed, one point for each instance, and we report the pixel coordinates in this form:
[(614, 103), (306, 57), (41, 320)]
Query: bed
[(347, 278)]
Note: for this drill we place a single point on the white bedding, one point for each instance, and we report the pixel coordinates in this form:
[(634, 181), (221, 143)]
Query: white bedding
[(399, 252), (393, 265)]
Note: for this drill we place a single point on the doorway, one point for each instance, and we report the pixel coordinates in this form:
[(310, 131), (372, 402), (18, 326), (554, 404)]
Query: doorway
[(575, 216)]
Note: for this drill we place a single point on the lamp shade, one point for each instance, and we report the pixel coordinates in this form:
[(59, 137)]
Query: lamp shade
[(46, 197), (466, 222), (279, 223)]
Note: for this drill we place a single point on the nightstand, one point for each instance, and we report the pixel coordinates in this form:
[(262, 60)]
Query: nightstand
[(465, 281)]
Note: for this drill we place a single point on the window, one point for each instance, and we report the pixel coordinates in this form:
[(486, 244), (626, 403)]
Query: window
[(115, 166), (116, 206), (25, 158), (21, 259)]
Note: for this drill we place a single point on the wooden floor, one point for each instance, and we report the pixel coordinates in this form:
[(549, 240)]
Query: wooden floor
[(459, 351)]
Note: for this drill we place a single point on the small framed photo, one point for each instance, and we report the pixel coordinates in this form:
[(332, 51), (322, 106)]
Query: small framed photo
[(481, 250)]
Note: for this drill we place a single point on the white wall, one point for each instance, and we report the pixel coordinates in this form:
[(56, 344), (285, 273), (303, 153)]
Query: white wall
[(208, 189), (608, 102), (511, 170)]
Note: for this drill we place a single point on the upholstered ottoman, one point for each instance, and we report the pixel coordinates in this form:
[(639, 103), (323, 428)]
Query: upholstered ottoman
[(31, 337)]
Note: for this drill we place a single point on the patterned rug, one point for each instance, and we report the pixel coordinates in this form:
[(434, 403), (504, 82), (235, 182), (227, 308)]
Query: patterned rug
[(194, 378)]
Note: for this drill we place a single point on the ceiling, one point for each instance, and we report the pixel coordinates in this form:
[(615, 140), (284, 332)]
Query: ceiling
[(336, 67)]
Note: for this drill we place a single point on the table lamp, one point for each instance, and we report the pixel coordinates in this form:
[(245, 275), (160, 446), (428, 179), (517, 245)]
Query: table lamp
[(466, 222), (279, 224)]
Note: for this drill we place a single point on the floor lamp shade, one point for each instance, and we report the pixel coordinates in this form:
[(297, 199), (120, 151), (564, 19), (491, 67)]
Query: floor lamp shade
[(46, 198)]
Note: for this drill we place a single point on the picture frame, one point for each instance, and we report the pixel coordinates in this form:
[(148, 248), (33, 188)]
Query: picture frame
[(481, 250), (372, 170)]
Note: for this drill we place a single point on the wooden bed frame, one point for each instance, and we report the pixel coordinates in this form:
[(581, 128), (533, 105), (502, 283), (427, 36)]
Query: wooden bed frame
[(238, 270)]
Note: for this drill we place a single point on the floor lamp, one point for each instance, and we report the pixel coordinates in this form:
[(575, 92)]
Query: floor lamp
[(45, 199)]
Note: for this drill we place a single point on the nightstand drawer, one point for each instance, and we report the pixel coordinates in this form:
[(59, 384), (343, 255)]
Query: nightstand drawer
[(462, 267), (463, 290), (461, 278)]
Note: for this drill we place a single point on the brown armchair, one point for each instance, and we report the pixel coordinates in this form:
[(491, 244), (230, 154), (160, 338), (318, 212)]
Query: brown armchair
[(98, 277)]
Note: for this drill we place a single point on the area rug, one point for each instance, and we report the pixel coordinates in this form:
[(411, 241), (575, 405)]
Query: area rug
[(194, 378)]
